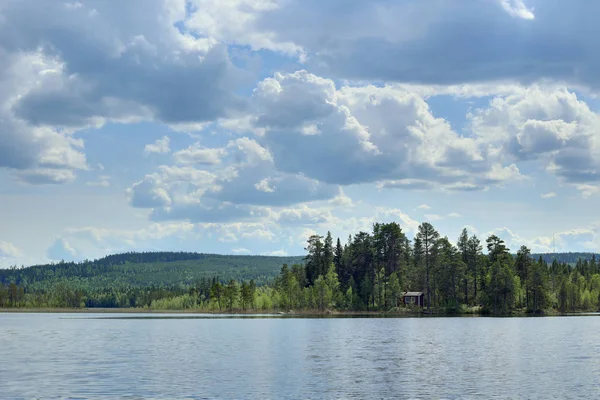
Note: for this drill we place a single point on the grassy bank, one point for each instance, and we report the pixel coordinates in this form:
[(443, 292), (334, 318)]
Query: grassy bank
[(399, 312)]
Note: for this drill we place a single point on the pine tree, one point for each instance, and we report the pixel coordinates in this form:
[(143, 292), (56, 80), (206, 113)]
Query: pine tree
[(428, 237)]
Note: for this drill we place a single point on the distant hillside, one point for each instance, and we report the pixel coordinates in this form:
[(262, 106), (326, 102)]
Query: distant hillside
[(569, 258), (173, 269), (150, 269)]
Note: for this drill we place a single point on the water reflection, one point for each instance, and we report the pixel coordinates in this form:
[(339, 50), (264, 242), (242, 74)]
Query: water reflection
[(266, 356)]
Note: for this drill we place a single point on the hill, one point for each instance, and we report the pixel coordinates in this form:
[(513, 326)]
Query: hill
[(174, 269), (159, 269), (569, 258)]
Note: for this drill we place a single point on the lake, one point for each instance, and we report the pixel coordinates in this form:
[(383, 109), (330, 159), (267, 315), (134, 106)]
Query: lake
[(112, 356)]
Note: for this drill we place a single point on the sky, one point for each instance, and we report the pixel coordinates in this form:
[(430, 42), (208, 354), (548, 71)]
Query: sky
[(245, 126)]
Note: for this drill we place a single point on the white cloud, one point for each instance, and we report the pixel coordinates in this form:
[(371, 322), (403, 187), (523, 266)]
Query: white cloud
[(405, 221), (454, 215), (588, 191), (62, 250), (552, 127), (304, 215), (276, 253), (433, 217), (305, 234), (548, 195), (424, 207), (240, 250), (562, 241), (103, 181), (517, 8), (228, 238), (259, 234), (200, 155), (367, 134), (8, 250), (341, 200), (161, 146), (264, 186)]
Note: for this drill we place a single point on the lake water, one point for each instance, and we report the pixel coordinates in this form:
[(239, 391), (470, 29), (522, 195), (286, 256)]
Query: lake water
[(90, 356)]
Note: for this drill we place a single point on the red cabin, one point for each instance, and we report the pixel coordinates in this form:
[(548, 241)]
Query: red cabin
[(413, 299)]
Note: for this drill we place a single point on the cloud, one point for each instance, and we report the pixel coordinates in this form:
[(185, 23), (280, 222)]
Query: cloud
[(103, 181), (259, 234), (200, 155), (365, 134), (517, 8), (341, 200), (552, 127), (161, 146), (548, 195), (240, 250), (228, 238), (34, 154), (432, 42), (276, 253), (433, 217), (304, 216), (405, 221), (62, 250), (8, 250), (86, 65), (586, 238), (264, 186), (243, 182), (454, 215), (125, 63), (588, 191), (424, 207)]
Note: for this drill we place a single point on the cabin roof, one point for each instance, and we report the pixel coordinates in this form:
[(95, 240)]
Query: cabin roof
[(412, 293)]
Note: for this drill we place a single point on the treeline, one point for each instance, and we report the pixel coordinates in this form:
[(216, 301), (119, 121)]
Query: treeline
[(141, 270), (369, 272), (568, 258), (374, 268)]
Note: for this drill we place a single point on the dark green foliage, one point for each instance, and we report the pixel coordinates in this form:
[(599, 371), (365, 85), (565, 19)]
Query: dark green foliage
[(370, 272)]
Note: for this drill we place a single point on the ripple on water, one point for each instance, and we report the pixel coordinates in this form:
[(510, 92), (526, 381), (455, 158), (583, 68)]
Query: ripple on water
[(49, 356)]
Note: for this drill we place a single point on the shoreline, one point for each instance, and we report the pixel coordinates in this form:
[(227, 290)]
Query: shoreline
[(289, 314)]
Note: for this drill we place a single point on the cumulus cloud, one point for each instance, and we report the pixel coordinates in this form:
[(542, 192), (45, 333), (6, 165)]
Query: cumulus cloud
[(85, 65), (228, 238), (560, 241), (551, 126), (103, 181), (240, 250), (259, 234), (548, 195), (35, 154), (123, 64), (62, 250), (9, 250), (588, 191), (200, 155), (366, 134), (432, 42), (304, 215), (517, 8), (160, 146), (243, 182), (276, 253), (433, 217)]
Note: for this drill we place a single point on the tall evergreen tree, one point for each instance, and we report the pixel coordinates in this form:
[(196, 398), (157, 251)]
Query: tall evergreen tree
[(314, 259), (428, 237), (473, 263), (463, 248)]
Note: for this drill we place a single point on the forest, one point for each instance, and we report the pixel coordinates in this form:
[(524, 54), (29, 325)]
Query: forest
[(368, 272)]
